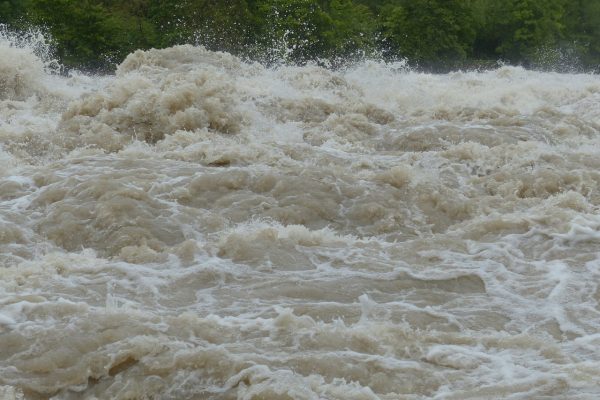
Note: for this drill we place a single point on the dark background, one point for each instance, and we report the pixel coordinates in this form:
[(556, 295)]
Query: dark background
[(433, 35)]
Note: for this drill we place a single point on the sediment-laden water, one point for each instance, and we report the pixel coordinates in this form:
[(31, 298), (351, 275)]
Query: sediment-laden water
[(197, 227)]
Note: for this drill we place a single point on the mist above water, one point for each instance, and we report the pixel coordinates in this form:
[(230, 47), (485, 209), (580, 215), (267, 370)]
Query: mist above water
[(198, 227)]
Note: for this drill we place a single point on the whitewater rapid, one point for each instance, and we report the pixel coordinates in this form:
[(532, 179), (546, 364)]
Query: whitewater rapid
[(199, 227)]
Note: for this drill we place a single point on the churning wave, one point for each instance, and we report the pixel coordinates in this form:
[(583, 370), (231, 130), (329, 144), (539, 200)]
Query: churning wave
[(199, 227)]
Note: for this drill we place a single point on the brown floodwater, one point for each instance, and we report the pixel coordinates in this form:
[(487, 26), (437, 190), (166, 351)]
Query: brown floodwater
[(198, 227)]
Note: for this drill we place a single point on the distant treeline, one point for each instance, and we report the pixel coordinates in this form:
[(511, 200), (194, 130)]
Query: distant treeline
[(433, 35)]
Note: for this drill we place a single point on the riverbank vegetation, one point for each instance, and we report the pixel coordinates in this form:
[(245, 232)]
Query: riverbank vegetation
[(434, 35)]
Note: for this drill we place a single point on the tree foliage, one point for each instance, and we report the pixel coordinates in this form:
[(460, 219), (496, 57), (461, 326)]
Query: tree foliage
[(433, 34), (430, 32)]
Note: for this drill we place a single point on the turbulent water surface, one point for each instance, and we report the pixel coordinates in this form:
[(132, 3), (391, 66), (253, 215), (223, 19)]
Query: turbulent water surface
[(197, 227)]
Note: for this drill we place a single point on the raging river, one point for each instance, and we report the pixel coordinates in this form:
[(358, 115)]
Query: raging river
[(199, 227)]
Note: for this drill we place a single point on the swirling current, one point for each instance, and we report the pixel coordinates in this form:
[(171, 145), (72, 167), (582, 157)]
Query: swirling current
[(200, 227)]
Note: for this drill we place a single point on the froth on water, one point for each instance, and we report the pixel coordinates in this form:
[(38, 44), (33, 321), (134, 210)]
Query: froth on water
[(200, 227)]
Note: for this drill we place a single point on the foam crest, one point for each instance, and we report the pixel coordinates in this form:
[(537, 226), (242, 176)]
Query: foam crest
[(151, 98), (25, 59)]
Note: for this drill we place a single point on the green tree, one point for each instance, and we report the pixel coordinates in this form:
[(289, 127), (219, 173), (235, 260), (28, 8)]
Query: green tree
[(434, 33), (14, 12), (88, 34), (292, 30), (225, 25), (487, 17), (137, 31), (582, 31), (527, 26), (352, 29)]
